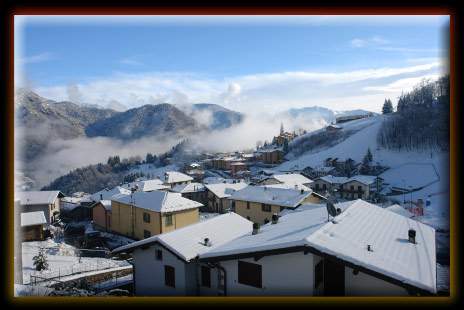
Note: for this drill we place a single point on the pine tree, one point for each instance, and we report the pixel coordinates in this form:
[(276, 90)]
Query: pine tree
[(40, 260), (387, 107)]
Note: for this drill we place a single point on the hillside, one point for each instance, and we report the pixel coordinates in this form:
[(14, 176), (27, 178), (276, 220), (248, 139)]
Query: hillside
[(419, 169)]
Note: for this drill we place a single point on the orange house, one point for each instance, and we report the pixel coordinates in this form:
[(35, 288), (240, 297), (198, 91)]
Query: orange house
[(101, 215)]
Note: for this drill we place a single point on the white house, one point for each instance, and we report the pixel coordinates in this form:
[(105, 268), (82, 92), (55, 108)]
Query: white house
[(46, 201), (365, 250), (167, 264)]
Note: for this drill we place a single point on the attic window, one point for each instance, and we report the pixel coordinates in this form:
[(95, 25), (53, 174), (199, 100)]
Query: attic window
[(159, 255)]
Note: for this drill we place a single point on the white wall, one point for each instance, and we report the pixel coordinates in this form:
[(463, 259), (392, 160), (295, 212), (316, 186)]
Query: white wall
[(365, 285), (149, 273), (282, 275)]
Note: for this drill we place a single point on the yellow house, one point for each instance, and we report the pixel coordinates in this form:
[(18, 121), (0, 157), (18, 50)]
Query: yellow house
[(141, 215), (258, 203)]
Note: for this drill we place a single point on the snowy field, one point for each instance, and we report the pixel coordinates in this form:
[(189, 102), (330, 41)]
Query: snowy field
[(63, 260)]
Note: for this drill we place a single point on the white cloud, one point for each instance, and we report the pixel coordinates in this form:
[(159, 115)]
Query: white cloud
[(131, 62), (358, 43), (273, 92), (36, 58)]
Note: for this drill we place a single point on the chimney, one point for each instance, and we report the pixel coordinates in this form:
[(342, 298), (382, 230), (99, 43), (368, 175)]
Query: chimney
[(339, 211), (302, 191), (412, 235), (369, 248), (207, 243), (101, 196), (255, 229), (275, 218)]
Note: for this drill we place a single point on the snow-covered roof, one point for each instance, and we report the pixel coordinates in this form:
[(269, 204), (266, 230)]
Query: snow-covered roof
[(400, 210), (174, 177), (347, 237), (107, 194), (333, 180), (290, 186), (75, 200), (269, 195), (38, 197), (189, 188), (324, 169), (223, 190), (300, 208), (294, 178), (33, 218), (105, 203), (188, 241), (157, 201), (364, 179)]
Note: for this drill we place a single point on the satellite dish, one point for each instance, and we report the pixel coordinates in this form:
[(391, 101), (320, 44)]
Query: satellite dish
[(331, 209)]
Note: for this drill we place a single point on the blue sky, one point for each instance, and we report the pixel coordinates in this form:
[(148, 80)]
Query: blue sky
[(242, 63)]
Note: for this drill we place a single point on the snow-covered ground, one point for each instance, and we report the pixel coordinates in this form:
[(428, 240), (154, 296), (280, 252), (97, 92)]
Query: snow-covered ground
[(418, 169), (63, 260)]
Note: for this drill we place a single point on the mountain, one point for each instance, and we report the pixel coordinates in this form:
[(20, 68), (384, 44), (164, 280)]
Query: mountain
[(148, 120), (214, 116)]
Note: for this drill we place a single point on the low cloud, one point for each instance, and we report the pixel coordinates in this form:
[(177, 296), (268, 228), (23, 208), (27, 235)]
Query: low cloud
[(62, 156)]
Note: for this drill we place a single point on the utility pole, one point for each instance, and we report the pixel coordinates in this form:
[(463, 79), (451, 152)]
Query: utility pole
[(404, 193), (410, 190)]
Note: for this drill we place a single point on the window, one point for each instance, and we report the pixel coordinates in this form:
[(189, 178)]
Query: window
[(159, 255), (169, 276), (266, 221), (248, 205), (109, 221), (248, 218), (168, 219), (359, 195), (146, 217), (318, 273), (265, 208), (359, 188), (146, 234), (205, 276), (250, 274)]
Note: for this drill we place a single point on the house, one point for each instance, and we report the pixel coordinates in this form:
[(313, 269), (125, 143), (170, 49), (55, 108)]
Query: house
[(106, 194), (102, 216), (174, 178), (258, 203), (285, 136), (289, 180), (323, 171), (147, 185), (192, 191), (333, 128), (46, 201), (365, 250), (329, 184), (218, 194), (224, 163), (32, 226), (361, 186), (75, 212), (167, 264), (141, 215), (272, 156), (237, 167)]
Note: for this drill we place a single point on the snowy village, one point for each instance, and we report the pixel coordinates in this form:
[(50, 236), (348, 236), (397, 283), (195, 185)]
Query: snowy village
[(288, 184)]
